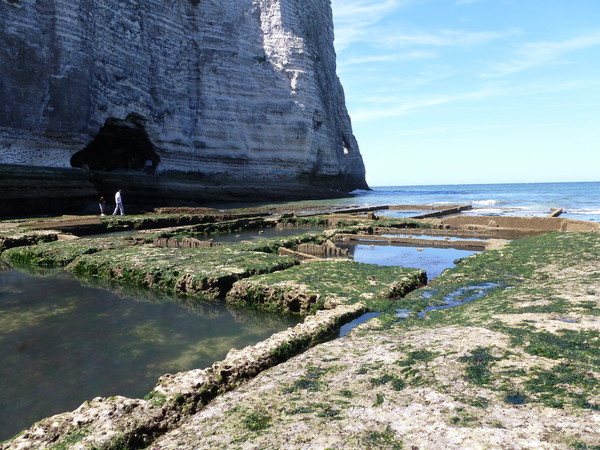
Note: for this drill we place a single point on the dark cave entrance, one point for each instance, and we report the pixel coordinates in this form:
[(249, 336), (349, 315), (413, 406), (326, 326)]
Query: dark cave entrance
[(121, 145)]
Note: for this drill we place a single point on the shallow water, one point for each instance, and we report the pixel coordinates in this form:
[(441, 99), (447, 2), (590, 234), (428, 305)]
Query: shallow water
[(62, 343), (113, 234), (257, 235), (433, 260), (439, 238), (579, 200), (345, 329), (460, 296), (400, 214)]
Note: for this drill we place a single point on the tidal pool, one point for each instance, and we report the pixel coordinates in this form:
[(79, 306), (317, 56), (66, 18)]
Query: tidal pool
[(433, 260), (62, 342), (400, 213), (257, 235), (438, 238)]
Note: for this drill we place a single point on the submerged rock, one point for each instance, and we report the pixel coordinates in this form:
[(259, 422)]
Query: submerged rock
[(171, 100)]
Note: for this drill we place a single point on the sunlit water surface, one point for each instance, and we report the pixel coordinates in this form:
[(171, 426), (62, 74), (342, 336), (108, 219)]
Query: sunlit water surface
[(433, 260), (62, 343)]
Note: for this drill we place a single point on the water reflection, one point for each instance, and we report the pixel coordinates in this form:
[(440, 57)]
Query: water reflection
[(258, 235), (62, 342), (433, 260)]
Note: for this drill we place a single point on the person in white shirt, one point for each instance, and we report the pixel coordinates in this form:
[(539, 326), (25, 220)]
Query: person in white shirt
[(118, 204)]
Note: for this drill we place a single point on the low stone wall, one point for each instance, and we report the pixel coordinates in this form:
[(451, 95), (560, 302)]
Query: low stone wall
[(412, 242), (326, 249), (527, 223), (27, 238), (446, 211)]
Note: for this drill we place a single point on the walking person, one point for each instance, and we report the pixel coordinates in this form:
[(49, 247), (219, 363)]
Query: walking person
[(118, 204), (102, 204)]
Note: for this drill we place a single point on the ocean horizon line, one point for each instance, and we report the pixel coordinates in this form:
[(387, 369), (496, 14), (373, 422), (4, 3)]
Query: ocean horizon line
[(482, 184)]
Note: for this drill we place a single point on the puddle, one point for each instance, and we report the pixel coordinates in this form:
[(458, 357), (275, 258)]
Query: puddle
[(459, 297), (62, 343), (564, 319), (516, 399), (403, 313), (465, 294), (433, 260), (345, 329)]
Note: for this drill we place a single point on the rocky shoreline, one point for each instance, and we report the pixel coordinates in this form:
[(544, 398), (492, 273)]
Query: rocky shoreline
[(514, 364)]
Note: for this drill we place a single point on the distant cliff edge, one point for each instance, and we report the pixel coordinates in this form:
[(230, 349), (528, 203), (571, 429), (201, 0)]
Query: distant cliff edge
[(181, 101)]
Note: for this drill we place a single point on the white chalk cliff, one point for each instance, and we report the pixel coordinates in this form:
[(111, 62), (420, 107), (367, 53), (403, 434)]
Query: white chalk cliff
[(236, 93)]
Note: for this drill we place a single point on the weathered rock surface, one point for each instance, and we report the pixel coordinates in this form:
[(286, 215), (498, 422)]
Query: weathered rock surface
[(195, 98)]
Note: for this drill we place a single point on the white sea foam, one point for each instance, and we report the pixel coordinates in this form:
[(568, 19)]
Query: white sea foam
[(520, 211), (486, 212), (584, 211), (485, 203)]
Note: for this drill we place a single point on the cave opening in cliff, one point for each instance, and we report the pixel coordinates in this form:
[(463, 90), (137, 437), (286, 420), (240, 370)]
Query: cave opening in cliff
[(120, 145)]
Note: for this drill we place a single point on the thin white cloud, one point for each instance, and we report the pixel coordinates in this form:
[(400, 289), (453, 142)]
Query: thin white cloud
[(467, 2), (353, 18), (390, 58), (445, 38), (541, 53), (418, 104), (348, 11), (361, 21), (487, 93)]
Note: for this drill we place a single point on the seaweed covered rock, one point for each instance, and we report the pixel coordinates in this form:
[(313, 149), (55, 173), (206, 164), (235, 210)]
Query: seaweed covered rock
[(326, 284), (206, 273), (62, 253)]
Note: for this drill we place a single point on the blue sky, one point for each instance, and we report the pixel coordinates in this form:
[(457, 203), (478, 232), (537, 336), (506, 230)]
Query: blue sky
[(472, 91)]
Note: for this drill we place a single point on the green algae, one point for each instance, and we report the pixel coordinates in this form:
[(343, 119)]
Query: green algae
[(516, 269), (156, 398), (155, 221), (565, 384), (528, 290), (257, 420), (385, 439), (311, 381), (525, 288), (478, 362), (62, 253), (12, 238), (207, 273), (272, 245), (70, 440), (209, 226), (310, 286), (394, 381)]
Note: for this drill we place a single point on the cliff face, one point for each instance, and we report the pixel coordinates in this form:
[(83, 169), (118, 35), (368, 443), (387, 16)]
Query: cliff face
[(239, 93)]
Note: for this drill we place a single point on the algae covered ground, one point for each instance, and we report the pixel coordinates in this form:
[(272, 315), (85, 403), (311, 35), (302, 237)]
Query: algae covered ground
[(516, 367), (326, 283), (501, 351)]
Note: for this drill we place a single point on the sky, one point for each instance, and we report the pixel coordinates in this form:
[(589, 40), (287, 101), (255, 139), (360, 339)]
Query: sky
[(472, 91)]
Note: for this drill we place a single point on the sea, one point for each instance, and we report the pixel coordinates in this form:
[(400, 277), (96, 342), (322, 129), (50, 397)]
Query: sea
[(578, 200)]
